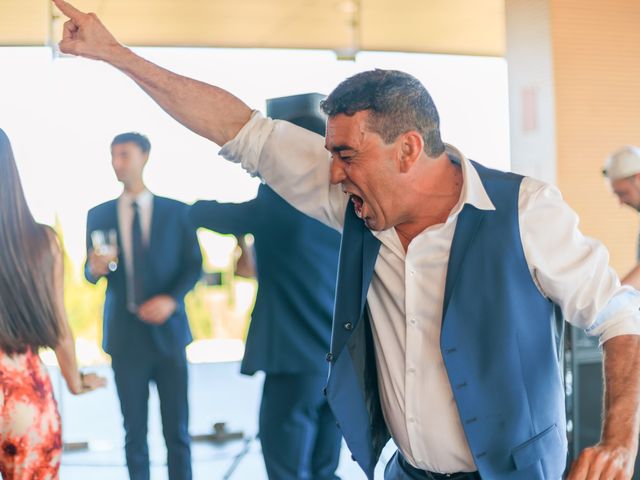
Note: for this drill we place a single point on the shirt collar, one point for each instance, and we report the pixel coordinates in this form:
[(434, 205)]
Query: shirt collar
[(473, 192), (143, 199)]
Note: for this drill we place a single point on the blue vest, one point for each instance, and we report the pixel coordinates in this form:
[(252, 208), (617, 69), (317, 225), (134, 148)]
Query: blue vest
[(498, 342)]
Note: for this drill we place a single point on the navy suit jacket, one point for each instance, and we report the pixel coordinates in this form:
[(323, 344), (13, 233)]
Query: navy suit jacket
[(173, 266), (296, 262)]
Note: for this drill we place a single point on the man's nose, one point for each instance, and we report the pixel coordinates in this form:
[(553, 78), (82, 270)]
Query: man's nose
[(338, 173)]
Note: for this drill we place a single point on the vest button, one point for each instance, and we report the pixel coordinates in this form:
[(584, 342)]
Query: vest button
[(348, 326), (353, 458), (329, 357)]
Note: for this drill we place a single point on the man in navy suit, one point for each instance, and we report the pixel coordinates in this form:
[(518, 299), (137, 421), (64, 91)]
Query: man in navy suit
[(296, 260), (145, 324)]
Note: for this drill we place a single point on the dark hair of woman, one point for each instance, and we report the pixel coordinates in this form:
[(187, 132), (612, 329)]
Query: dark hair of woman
[(28, 314)]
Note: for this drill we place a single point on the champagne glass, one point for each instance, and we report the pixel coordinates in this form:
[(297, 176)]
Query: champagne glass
[(105, 244)]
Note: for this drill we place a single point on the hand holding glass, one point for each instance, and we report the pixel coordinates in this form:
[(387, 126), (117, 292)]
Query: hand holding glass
[(105, 244)]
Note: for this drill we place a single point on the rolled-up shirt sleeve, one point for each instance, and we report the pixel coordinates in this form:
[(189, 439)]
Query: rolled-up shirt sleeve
[(571, 269), (293, 162)]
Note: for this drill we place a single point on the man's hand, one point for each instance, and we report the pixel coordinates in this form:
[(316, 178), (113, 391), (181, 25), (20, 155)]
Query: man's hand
[(157, 310), (87, 382), (85, 35), (207, 110), (99, 264), (245, 263), (603, 462), (614, 456)]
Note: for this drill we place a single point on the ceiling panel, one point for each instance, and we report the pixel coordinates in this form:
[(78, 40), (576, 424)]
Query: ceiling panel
[(23, 22), (444, 26)]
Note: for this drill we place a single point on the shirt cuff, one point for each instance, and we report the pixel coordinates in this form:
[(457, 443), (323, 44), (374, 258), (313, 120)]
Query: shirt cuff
[(621, 316), (246, 146)]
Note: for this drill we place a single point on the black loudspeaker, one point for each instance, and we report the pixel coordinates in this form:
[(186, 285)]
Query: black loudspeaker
[(302, 110), (584, 389)]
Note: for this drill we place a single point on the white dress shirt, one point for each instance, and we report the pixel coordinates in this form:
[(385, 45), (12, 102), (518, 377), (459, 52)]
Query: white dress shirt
[(125, 223), (406, 294)]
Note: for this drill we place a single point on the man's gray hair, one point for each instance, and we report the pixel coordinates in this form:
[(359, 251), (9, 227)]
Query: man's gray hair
[(398, 103)]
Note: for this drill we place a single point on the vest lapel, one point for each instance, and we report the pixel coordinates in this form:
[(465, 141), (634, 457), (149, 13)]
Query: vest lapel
[(370, 249), (349, 391), (468, 222), (358, 254)]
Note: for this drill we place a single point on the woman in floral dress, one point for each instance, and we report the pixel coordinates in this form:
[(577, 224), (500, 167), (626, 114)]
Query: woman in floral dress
[(32, 316)]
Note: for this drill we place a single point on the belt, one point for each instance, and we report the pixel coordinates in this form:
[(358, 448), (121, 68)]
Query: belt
[(452, 476), (427, 475)]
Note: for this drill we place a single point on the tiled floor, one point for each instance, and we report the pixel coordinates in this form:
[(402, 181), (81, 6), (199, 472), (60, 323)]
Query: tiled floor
[(217, 393)]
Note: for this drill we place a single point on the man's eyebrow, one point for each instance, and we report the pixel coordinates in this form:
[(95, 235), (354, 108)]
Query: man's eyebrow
[(339, 148)]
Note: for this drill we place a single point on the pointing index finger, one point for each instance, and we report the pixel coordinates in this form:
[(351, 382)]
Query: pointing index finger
[(69, 10)]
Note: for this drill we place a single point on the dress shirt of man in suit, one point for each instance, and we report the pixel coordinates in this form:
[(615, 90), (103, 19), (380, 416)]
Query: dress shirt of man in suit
[(145, 324), (388, 158), (296, 263)]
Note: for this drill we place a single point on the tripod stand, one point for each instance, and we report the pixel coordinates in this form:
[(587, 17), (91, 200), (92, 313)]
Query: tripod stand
[(248, 442)]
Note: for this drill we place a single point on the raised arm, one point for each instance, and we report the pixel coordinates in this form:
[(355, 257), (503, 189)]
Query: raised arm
[(289, 158), (209, 111)]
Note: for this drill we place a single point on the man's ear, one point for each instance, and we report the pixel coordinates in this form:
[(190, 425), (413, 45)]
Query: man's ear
[(411, 147)]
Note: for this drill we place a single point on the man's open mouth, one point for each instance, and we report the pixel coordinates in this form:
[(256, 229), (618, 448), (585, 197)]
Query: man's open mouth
[(358, 203)]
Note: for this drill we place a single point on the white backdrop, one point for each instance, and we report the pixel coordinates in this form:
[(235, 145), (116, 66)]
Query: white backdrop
[(62, 114)]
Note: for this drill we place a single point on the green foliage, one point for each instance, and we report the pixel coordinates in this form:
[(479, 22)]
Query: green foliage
[(199, 313)]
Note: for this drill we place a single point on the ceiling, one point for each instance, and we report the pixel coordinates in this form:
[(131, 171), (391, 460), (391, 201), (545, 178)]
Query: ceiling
[(438, 26)]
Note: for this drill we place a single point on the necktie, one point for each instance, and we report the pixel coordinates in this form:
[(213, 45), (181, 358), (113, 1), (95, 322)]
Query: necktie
[(137, 295)]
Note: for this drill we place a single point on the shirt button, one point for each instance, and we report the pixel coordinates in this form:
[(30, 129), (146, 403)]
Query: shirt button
[(412, 370), (413, 320), (412, 420)]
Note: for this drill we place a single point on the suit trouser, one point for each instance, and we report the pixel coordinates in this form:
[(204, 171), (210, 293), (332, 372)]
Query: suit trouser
[(132, 373), (299, 436)]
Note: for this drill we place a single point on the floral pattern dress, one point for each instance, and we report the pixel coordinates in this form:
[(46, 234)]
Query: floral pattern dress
[(30, 431)]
